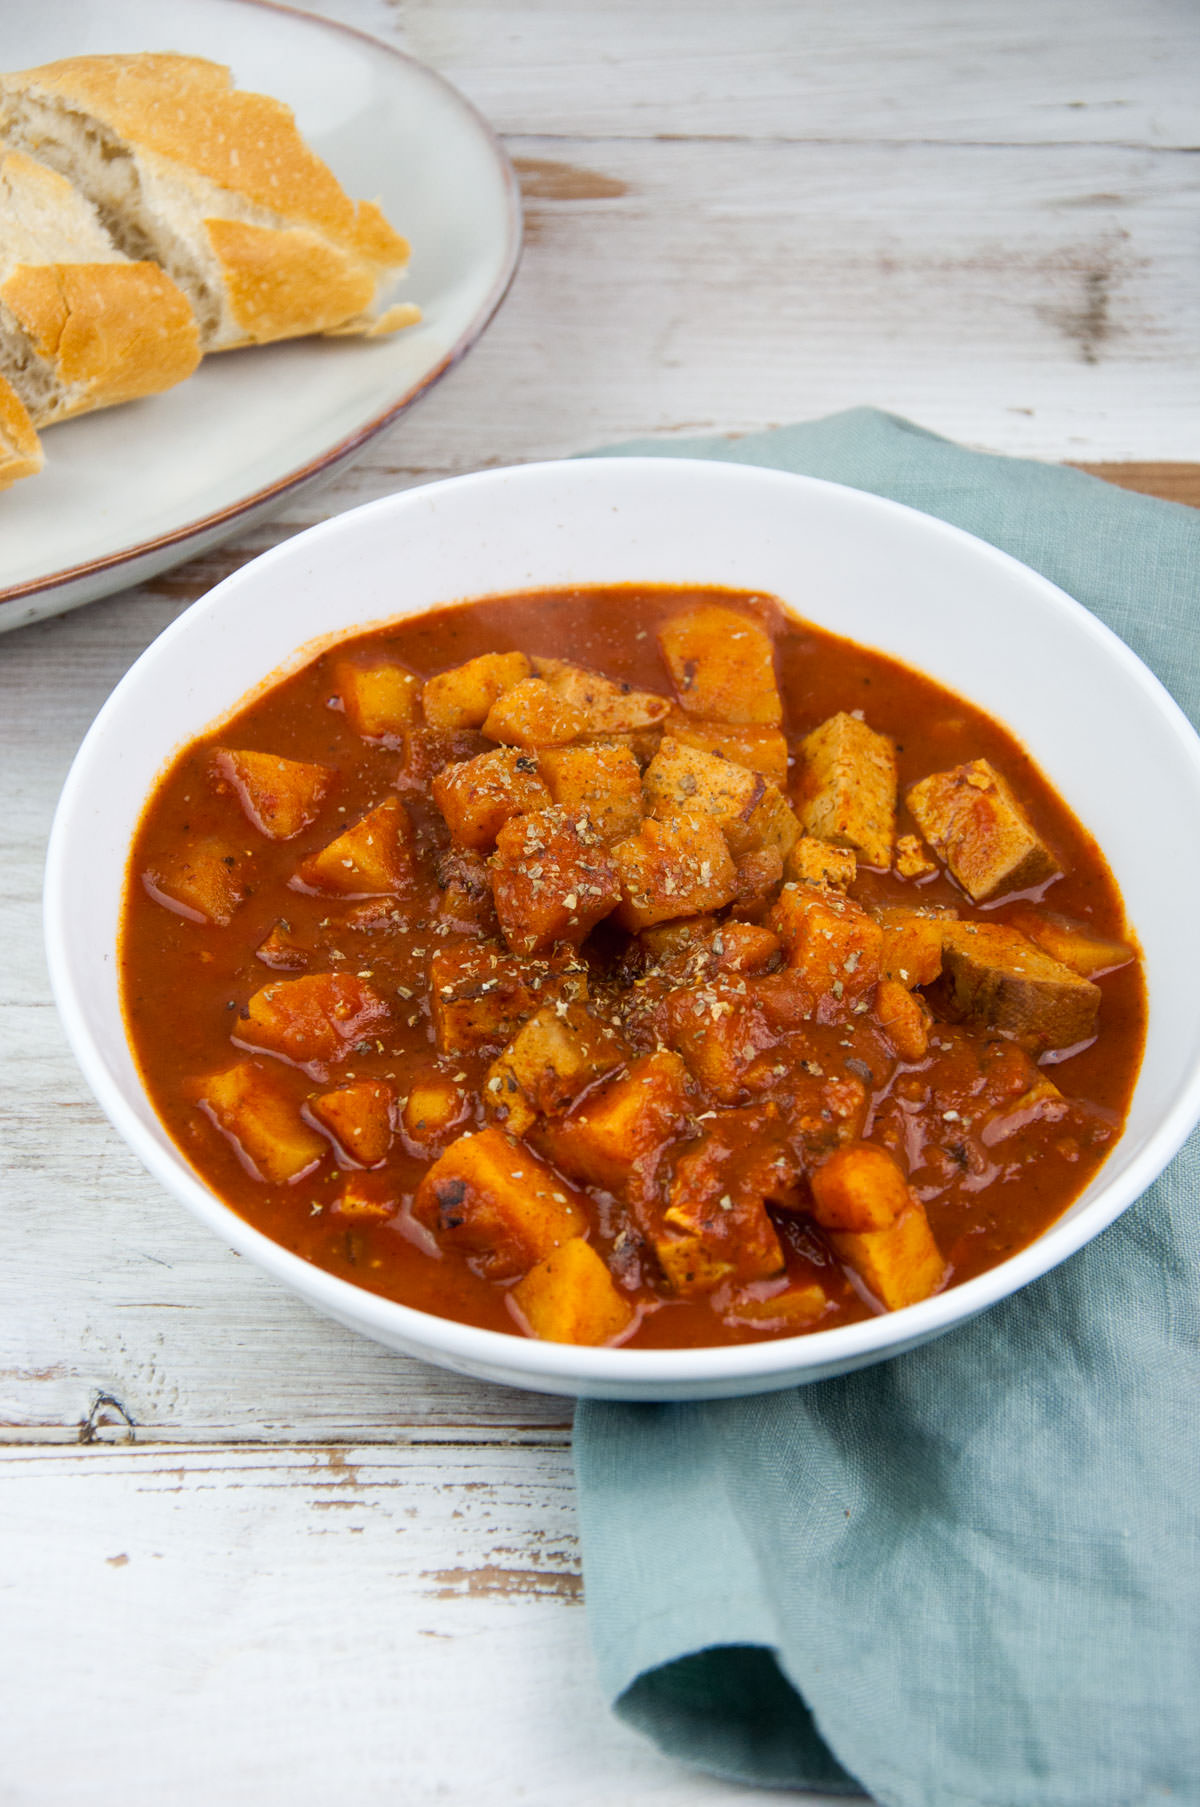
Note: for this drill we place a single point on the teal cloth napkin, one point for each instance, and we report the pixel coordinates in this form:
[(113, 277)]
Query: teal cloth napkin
[(969, 1577)]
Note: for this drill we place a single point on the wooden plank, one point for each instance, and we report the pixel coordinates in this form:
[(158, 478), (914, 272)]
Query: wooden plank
[(337, 1625), (1170, 482), (1085, 71)]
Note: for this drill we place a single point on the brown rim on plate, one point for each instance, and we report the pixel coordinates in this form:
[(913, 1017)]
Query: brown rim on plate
[(344, 448)]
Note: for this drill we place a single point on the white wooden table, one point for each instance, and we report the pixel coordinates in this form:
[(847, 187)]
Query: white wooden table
[(245, 1557)]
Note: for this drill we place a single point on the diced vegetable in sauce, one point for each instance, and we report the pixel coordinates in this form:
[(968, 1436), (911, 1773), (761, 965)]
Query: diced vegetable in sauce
[(633, 967)]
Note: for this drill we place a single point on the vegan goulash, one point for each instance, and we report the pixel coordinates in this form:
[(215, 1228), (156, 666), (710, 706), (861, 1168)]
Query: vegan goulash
[(635, 966)]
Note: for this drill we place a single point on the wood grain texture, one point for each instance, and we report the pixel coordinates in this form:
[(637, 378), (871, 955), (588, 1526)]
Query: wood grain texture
[(227, 1527)]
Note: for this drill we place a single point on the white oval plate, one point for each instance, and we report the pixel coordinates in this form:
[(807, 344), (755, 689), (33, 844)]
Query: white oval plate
[(1100, 726), (130, 491)]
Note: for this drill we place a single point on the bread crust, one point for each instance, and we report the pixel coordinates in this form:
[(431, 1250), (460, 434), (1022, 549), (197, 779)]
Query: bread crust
[(187, 109), (20, 448), (113, 332), (284, 283)]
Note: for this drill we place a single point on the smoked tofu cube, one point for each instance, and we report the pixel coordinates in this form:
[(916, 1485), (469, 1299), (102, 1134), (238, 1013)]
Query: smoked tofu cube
[(381, 698), (463, 697), (912, 944), (719, 1029), (859, 1187), (899, 1265), (257, 1113), (280, 796), (912, 861), (762, 750), (831, 942), (607, 707), (570, 1297), (282, 948), (205, 883), (689, 1265), (623, 1123), (359, 1119), (722, 665), (552, 880), (973, 822), (534, 714), (493, 1201), (312, 1020), (715, 1200), (678, 868), (478, 797), (847, 792), (813, 862), (998, 979), (751, 813), (427, 751), (1085, 952), (757, 876), (795, 1308), (480, 994), (372, 859), (601, 782), (553, 1057), (435, 1107), (466, 906)]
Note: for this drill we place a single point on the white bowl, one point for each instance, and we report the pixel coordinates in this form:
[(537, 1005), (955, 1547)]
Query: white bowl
[(1101, 727)]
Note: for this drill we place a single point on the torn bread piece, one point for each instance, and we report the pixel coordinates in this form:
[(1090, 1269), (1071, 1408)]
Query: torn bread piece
[(20, 447), (215, 185), (80, 326)]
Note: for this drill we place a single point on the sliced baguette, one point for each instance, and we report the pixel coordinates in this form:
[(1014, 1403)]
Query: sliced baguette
[(20, 448), (80, 326), (215, 185)]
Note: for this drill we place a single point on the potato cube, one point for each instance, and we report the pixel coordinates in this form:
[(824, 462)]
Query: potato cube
[(534, 714), (257, 1113), (794, 1308), (373, 858), (751, 813), (478, 797), (721, 1201), (745, 947), (551, 1059), (973, 822), (623, 1123), (359, 1119), (206, 883), (1041, 1103), (847, 791), (492, 1200), (762, 750), (608, 707), (368, 1198), (282, 949), (813, 862), (312, 1020), (602, 782), (669, 869), (280, 796), (480, 994), (552, 880), (831, 942), (433, 1110), (722, 665), (462, 698), (912, 943), (898, 1265), (1071, 944), (904, 1019), (381, 697), (859, 1187), (997, 979), (570, 1298), (689, 1265)]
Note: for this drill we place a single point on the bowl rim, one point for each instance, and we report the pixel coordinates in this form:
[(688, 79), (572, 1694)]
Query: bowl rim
[(510, 1357)]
